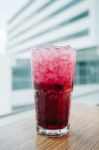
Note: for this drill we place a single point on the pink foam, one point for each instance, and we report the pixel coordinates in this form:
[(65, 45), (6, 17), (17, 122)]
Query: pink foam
[(53, 64)]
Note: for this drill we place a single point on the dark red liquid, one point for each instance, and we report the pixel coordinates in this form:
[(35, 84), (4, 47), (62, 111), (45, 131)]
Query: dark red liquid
[(52, 106), (53, 74)]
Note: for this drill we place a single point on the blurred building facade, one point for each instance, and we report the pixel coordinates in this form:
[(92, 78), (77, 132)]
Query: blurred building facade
[(58, 22)]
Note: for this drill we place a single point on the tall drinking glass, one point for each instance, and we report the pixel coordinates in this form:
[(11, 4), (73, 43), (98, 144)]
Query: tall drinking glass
[(53, 69)]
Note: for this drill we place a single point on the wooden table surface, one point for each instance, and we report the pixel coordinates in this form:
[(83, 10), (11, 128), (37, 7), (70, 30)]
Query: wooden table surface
[(84, 135)]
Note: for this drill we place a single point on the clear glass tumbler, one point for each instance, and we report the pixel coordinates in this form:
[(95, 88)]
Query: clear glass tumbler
[(53, 69)]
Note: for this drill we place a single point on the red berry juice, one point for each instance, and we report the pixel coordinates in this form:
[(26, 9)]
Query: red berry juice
[(53, 75)]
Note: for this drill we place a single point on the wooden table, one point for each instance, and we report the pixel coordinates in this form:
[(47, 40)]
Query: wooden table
[(84, 135)]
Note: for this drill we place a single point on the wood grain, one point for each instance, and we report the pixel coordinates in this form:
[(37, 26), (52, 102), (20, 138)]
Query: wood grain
[(84, 135)]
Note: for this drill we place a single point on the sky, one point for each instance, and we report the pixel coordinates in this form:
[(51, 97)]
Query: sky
[(7, 9)]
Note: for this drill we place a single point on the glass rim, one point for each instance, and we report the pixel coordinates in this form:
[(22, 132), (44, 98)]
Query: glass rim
[(66, 47)]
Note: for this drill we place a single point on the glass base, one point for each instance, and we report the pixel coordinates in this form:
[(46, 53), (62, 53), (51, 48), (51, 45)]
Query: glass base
[(53, 133)]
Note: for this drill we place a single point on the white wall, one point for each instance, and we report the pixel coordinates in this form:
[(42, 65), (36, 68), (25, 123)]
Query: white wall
[(5, 84), (22, 97), (21, 40), (95, 19)]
